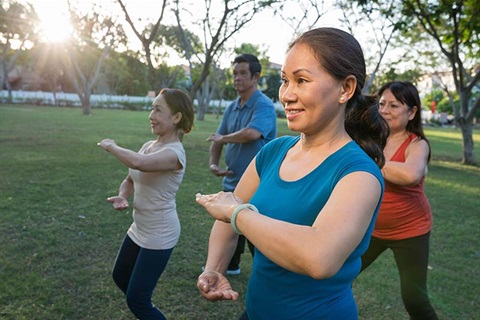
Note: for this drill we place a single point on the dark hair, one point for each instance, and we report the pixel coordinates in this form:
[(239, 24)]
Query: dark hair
[(340, 54), (407, 93), (179, 101), (253, 63)]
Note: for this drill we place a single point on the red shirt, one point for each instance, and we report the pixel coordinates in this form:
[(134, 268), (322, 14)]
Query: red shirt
[(405, 211)]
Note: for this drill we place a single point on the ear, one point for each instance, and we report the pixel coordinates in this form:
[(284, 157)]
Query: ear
[(349, 84), (256, 76), (412, 113), (177, 117)]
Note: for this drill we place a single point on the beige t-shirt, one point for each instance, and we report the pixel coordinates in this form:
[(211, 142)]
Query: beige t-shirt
[(155, 220)]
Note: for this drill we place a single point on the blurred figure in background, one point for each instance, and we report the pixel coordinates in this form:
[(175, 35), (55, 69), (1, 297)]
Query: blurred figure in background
[(405, 219), (247, 125)]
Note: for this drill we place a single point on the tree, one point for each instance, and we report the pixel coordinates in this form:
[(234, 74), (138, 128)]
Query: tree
[(220, 23), (369, 18), (18, 27), (455, 28), (301, 15), (393, 74), (273, 82), (125, 74), (48, 63), (95, 34)]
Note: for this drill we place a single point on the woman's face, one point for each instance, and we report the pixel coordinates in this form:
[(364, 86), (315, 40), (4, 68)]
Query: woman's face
[(396, 113), (162, 121), (310, 96)]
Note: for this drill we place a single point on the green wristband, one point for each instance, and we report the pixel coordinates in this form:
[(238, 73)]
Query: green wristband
[(235, 213)]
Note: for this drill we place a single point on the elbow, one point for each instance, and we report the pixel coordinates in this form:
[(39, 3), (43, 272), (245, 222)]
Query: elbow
[(413, 179), (322, 273), (250, 135), (318, 270), (136, 165)]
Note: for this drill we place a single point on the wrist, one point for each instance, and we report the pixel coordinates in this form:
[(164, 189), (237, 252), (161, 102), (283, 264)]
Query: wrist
[(213, 167), (238, 209)]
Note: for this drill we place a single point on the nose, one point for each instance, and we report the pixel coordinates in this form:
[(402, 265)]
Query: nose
[(383, 109), (286, 95)]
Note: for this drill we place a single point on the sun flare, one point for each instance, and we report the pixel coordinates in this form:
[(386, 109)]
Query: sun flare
[(55, 28)]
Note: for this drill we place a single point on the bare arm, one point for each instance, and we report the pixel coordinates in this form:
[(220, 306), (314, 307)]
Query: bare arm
[(242, 136), (215, 153), (212, 283), (163, 160), (336, 232), (413, 169), (223, 240), (120, 202)]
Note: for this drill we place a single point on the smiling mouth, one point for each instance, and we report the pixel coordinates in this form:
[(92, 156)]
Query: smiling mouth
[(293, 111)]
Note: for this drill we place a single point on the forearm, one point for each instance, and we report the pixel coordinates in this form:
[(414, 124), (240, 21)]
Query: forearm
[(242, 136), (402, 174), (126, 188), (215, 153), (281, 242), (221, 246)]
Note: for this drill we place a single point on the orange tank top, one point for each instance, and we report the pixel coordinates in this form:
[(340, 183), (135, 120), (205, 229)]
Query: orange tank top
[(405, 211)]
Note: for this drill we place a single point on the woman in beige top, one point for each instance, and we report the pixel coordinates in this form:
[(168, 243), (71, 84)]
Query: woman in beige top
[(154, 176)]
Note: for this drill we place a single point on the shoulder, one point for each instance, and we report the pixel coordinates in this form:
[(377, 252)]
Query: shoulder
[(259, 98), (417, 146), (352, 158), (280, 142), (146, 145)]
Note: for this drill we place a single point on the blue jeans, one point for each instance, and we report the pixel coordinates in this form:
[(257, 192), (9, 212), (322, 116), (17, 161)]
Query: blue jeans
[(136, 273)]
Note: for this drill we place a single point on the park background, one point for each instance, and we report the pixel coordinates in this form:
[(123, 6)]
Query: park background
[(59, 236), (135, 48)]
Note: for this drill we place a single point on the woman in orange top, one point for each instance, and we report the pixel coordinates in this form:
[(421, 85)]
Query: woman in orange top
[(405, 218)]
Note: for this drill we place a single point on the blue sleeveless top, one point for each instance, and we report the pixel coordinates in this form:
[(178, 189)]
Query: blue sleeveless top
[(276, 293)]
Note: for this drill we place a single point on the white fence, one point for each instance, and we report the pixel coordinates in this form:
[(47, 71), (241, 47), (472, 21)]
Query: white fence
[(72, 99), (96, 100)]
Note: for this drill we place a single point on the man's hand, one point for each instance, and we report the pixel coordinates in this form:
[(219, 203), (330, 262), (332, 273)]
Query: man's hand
[(220, 172), (215, 138)]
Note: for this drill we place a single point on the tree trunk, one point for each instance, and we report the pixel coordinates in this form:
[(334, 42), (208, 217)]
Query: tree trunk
[(86, 110), (467, 143), (201, 112)]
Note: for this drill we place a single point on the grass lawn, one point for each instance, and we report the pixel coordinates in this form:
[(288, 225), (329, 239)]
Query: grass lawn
[(59, 237)]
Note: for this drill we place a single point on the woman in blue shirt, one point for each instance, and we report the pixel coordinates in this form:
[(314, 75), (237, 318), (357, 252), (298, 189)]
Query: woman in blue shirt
[(307, 203)]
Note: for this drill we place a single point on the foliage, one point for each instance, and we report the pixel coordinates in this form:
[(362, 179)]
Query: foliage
[(219, 22), (452, 26), (273, 82), (392, 74), (18, 28), (442, 101), (95, 34)]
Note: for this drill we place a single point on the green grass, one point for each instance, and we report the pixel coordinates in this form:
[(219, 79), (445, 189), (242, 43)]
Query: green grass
[(59, 237)]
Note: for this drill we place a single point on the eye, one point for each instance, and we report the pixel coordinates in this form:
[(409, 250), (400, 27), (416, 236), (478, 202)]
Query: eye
[(284, 80), (301, 80)]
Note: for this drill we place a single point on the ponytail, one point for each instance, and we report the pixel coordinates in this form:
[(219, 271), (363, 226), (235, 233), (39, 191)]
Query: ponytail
[(366, 126)]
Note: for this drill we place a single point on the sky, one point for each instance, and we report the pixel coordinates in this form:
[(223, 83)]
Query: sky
[(268, 32)]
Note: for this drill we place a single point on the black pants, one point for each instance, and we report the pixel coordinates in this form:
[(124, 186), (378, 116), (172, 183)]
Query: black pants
[(235, 261), (411, 256)]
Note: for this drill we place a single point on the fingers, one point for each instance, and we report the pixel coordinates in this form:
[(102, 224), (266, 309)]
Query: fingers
[(210, 289)]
